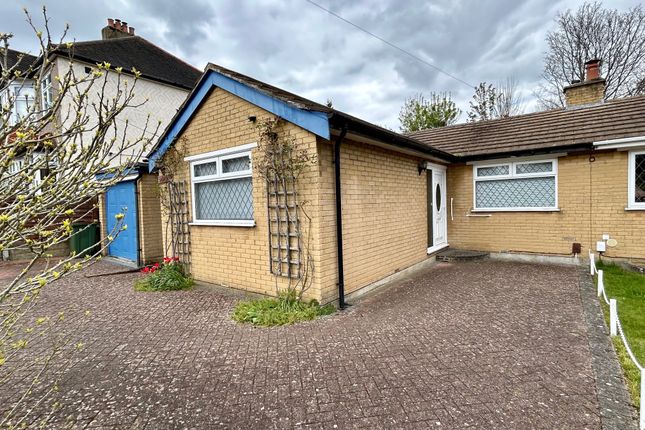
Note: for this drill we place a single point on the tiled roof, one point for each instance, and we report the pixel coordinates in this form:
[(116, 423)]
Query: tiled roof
[(337, 119), (127, 52), (24, 63), (540, 131)]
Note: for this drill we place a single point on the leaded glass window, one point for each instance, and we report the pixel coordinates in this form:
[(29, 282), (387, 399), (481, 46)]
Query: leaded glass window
[(528, 185), (223, 189), (493, 170), (637, 180)]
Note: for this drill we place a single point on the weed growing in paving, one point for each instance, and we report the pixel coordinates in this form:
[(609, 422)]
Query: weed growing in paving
[(286, 309)]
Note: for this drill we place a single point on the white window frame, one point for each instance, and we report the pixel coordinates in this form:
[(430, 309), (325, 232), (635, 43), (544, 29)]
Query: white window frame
[(631, 189), (218, 157), (46, 92), (512, 166)]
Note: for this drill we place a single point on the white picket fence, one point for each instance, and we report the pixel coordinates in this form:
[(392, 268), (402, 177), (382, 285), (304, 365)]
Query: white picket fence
[(616, 329)]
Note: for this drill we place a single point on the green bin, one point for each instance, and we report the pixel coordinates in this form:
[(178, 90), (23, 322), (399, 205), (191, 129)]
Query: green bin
[(85, 239)]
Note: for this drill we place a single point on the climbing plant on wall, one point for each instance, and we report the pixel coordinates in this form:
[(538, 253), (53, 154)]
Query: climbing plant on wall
[(281, 163)]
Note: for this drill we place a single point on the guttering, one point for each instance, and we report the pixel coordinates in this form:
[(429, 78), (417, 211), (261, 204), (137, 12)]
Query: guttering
[(621, 144), (339, 219), (568, 149), (337, 120)]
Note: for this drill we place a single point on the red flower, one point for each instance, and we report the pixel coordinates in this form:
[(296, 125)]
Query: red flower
[(145, 269), (175, 258), (167, 260), (156, 265), (152, 269)]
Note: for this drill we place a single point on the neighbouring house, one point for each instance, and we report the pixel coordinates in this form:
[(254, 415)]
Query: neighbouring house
[(554, 182), (165, 82)]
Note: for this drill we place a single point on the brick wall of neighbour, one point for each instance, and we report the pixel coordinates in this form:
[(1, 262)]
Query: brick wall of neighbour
[(238, 257), (384, 215), (149, 218), (592, 197)]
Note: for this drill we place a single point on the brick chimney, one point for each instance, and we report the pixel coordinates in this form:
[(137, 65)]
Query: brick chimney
[(115, 29), (590, 91)]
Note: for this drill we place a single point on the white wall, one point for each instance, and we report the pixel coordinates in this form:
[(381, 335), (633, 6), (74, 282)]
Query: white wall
[(162, 103)]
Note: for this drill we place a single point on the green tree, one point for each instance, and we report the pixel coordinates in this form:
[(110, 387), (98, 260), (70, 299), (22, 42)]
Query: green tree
[(419, 113), (491, 102)]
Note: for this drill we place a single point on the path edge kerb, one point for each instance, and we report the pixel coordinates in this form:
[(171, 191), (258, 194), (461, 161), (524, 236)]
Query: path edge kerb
[(616, 409)]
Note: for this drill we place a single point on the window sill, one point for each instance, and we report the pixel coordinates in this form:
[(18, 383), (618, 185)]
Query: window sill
[(516, 210), (225, 223), (635, 209)]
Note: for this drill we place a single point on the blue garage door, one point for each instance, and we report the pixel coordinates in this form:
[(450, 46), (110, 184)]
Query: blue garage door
[(121, 198)]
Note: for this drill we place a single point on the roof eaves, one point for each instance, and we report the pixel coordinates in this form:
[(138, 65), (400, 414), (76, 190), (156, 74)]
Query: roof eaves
[(314, 121), (339, 119)]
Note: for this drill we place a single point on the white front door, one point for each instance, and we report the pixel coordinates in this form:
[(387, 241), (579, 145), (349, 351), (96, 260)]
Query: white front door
[(438, 210)]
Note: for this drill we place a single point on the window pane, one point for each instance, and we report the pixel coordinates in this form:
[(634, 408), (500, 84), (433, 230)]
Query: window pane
[(224, 200), (516, 193), (493, 170), (639, 180), (206, 169), (546, 167), (238, 164)]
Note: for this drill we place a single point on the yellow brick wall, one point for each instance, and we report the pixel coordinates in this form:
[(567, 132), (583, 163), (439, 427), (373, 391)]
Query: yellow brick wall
[(149, 218), (384, 215), (592, 200), (585, 94), (102, 222), (238, 257)]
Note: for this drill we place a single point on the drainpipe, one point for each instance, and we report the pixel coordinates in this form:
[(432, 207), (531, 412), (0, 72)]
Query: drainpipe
[(339, 220)]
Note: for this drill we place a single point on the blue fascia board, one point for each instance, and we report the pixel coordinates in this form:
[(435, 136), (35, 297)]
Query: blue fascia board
[(313, 121)]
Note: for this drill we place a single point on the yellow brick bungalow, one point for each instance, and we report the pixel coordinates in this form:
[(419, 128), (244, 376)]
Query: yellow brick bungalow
[(549, 183)]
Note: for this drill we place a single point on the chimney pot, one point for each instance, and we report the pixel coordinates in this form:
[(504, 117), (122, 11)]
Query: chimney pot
[(588, 92), (116, 29), (592, 69)]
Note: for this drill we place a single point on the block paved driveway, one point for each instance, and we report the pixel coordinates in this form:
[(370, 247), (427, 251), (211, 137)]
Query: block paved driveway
[(478, 344)]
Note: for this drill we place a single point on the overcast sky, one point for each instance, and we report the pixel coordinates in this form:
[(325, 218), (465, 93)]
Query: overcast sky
[(296, 46)]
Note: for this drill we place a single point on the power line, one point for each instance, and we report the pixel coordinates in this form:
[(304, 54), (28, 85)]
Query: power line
[(438, 69)]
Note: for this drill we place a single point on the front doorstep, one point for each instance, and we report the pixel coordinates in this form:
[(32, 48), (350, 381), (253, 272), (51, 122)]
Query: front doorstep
[(437, 248)]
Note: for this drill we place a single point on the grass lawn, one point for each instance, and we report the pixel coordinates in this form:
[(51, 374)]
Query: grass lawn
[(628, 288)]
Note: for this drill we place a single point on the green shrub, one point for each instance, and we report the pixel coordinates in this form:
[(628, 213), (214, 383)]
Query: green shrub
[(168, 276), (286, 309)]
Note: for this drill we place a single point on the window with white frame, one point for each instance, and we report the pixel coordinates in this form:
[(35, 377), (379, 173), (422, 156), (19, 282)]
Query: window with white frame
[(637, 179), (222, 188), (23, 98), (516, 186), (46, 92)]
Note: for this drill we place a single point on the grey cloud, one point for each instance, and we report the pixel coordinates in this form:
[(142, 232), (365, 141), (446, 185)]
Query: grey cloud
[(292, 44)]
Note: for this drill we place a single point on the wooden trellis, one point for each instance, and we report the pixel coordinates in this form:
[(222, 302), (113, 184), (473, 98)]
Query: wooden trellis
[(179, 219), (285, 252)]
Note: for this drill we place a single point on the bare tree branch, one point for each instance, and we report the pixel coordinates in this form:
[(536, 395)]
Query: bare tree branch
[(617, 38)]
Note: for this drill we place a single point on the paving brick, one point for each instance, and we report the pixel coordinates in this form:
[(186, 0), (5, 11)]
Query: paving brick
[(476, 344)]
